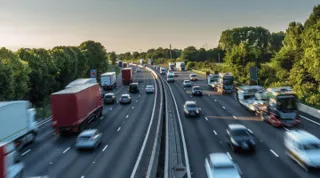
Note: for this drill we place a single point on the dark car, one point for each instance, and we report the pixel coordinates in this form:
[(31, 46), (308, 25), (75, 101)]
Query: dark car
[(125, 99), (109, 98), (191, 109), (133, 88), (240, 138), (197, 91)]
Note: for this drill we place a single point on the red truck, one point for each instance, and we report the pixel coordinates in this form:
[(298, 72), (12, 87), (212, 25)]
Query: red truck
[(73, 108), (126, 76)]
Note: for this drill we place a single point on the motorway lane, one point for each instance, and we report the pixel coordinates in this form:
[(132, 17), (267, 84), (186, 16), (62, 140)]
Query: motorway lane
[(272, 138), (59, 161)]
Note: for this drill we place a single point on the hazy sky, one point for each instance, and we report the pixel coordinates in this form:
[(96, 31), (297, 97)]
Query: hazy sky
[(131, 25)]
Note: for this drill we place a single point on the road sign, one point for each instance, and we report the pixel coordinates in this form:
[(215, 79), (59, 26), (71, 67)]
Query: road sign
[(254, 73), (179, 171), (93, 73)]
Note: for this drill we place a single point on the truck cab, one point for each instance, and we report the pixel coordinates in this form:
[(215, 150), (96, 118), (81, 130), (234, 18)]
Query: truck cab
[(281, 108)]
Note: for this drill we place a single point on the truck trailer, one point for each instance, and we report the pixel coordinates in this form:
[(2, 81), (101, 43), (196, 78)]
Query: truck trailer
[(108, 80), (246, 95), (18, 123), (127, 76), (73, 108), (225, 83)]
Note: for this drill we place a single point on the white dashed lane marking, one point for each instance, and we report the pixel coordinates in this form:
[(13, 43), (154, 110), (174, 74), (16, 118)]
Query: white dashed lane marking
[(206, 118), (127, 116), (274, 153), (234, 117), (119, 129), (66, 150), (105, 148), (215, 132), (26, 152)]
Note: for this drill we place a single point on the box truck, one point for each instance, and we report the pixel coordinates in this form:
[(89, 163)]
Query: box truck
[(141, 61), (81, 81), (127, 77), (108, 80), (180, 66), (18, 123), (73, 108)]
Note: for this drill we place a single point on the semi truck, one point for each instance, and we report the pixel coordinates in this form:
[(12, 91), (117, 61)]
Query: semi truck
[(81, 81), (108, 80), (212, 80), (180, 66), (141, 61), (280, 108), (18, 124), (225, 83), (246, 95), (171, 65), (127, 76), (73, 108)]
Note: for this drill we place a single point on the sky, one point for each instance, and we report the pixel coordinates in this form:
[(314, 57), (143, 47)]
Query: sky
[(134, 25)]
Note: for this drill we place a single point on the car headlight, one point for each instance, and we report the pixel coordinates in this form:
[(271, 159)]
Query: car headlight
[(187, 111), (197, 111), (233, 141)]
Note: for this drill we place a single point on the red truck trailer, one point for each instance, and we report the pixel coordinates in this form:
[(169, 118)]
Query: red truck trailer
[(126, 76), (73, 108)]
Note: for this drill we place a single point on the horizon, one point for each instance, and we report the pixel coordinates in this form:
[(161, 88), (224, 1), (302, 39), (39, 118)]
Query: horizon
[(124, 26)]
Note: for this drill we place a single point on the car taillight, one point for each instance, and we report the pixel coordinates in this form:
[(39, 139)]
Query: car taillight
[(120, 99), (152, 88)]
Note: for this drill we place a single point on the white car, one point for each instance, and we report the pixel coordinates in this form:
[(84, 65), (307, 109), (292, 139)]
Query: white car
[(187, 83), (89, 139), (219, 165), (149, 89)]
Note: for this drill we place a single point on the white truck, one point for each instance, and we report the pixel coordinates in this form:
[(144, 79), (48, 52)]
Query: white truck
[(212, 80), (141, 61), (18, 123), (108, 80), (246, 96), (180, 66), (10, 165), (81, 81), (171, 65)]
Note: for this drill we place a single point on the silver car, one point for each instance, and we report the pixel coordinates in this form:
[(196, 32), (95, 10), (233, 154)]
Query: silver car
[(187, 83), (89, 139), (149, 89), (220, 165)]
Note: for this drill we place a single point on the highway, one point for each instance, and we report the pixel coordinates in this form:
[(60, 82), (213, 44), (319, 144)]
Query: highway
[(124, 129), (207, 134)]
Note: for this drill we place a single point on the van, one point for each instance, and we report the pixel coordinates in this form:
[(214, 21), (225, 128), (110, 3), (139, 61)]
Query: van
[(303, 148), (134, 88)]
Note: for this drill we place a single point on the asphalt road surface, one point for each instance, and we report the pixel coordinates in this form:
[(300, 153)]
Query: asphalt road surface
[(124, 128), (207, 134)]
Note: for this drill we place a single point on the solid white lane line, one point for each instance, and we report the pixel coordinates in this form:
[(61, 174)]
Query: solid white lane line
[(26, 152), (118, 129), (309, 120), (127, 116), (223, 107), (206, 118), (229, 155), (250, 131), (215, 132), (274, 153), (234, 117), (44, 122), (66, 150), (105, 148)]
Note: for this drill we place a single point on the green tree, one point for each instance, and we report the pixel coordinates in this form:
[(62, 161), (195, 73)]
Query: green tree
[(276, 41), (112, 57), (135, 55), (190, 53)]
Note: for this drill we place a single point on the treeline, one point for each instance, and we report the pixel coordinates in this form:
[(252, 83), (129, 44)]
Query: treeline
[(33, 74)]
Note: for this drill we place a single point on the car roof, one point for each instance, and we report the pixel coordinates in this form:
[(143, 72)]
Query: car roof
[(220, 159), (236, 126), (88, 132), (303, 136), (74, 89), (190, 102), (125, 95)]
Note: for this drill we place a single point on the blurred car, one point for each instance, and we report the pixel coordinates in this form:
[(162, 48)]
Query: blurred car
[(191, 109), (133, 88), (193, 77), (109, 98), (196, 91), (175, 74), (89, 139), (187, 83), (149, 89), (303, 148), (219, 165), (240, 138), (138, 69), (125, 99)]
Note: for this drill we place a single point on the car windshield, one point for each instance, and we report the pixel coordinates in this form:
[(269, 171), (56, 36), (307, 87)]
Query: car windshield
[(133, 86), (187, 81), (193, 75), (192, 106), (108, 96), (240, 133), (197, 89), (124, 96), (310, 147), (84, 137), (149, 86), (286, 104)]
